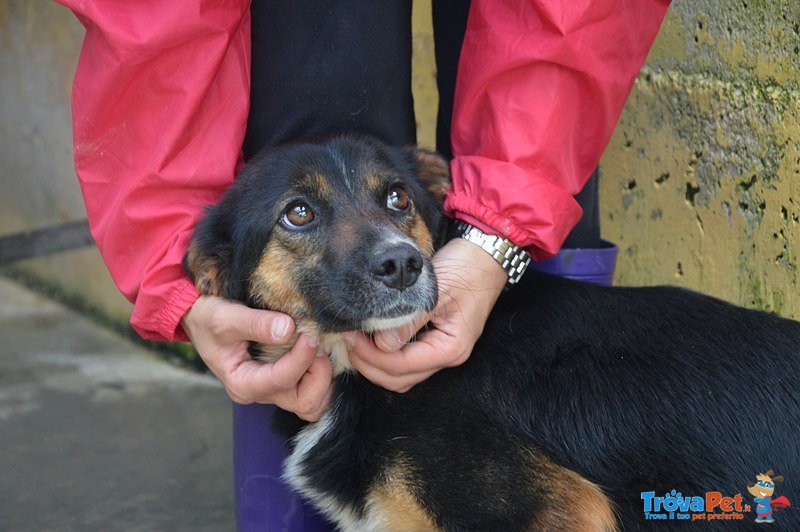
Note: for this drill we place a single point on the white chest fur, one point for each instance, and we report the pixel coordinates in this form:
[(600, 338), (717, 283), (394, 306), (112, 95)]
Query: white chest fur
[(337, 349), (343, 515)]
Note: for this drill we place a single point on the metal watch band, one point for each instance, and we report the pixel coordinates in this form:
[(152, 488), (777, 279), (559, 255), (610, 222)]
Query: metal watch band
[(513, 259)]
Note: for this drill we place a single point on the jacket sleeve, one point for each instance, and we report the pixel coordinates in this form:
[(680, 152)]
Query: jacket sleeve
[(160, 101), (540, 87)]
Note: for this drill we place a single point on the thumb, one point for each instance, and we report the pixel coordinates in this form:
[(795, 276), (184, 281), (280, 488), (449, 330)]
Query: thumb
[(258, 325), (391, 340)]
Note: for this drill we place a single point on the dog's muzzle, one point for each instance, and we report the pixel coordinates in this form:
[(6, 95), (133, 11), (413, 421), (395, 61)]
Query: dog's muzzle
[(397, 267)]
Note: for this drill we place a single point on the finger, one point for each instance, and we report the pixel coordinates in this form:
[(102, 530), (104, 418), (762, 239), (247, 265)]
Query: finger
[(291, 367), (265, 326), (237, 398), (452, 351), (256, 381), (431, 351), (315, 390), (393, 339), (400, 384)]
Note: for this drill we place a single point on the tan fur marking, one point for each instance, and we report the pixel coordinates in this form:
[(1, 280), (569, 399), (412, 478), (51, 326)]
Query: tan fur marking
[(319, 183), (205, 271), (434, 172), (373, 180), (418, 230), (394, 506), (272, 286), (346, 231), (573, 503)]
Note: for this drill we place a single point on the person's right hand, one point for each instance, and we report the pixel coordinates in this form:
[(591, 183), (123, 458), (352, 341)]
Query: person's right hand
[(300, 381)]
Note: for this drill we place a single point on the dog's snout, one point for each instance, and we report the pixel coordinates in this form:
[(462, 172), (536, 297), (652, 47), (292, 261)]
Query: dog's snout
[(398, 267)]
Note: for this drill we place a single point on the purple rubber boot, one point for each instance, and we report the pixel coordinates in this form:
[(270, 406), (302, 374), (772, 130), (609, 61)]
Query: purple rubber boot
[(265, 503), (587, 265)]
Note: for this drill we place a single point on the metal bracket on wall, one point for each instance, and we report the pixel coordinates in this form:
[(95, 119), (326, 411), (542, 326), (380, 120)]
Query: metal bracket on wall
[(40, 242)]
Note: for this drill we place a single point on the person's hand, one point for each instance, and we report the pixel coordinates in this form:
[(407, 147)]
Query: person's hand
[(300, 381), (470, 282)]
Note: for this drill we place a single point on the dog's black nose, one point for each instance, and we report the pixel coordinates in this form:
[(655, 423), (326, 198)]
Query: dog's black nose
[(397, 267)]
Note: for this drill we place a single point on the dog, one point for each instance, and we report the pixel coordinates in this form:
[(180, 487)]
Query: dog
[(578, 403)]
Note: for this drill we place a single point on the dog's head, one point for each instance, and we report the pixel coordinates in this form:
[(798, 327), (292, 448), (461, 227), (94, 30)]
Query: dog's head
[(337, 233)]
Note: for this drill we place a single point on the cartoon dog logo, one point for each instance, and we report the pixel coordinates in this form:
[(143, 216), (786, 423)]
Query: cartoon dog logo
[(762, 492)]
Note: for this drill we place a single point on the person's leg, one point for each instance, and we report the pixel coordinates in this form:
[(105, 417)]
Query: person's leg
[(329, 67), (449, 26), (586, 234), (585, 256), (316, 68)]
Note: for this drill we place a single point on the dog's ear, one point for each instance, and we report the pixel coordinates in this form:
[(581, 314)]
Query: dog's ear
[(433, 171), (210, 254), (769, 473), (778, 478)]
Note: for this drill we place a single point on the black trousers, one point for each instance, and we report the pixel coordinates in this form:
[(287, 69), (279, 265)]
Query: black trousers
[(329, 66)]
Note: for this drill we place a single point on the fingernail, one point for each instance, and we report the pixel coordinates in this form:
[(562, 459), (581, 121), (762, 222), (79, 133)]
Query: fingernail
[(280, 326), (391, 340), (313, 342)]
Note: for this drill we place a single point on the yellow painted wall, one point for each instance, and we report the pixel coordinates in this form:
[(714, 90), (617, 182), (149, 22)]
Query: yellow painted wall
[(423, 69), (701, 181)]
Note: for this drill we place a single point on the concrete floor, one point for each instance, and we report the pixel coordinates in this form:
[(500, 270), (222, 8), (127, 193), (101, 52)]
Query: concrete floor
[(97, 434)]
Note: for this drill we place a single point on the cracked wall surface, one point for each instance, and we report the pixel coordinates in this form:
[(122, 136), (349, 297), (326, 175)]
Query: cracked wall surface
[(701, 180)]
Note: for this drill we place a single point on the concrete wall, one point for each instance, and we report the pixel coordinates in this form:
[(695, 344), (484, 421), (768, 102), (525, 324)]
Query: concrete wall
[(39, 46), (701, 181)]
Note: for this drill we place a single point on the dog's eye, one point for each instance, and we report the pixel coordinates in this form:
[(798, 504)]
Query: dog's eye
[(397, 199), (297, 215)]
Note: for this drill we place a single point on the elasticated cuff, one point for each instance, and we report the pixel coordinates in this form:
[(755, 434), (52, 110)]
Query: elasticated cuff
[(166, 326), (180, 301), (467, 209)]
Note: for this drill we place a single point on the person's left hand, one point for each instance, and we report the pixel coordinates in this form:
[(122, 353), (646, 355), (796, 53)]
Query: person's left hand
[(470, 282)]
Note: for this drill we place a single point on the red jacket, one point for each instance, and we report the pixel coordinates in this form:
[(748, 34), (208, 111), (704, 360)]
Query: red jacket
[(161, 95)]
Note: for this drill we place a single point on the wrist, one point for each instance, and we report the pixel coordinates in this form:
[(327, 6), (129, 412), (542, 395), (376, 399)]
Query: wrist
[(187, 320), (512, 259), (491, 271), (196, 316)]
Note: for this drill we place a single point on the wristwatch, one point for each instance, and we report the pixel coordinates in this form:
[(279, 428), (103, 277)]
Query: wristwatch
[(512, 258)]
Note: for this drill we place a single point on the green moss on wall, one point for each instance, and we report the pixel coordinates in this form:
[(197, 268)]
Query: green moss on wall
[(711, 136)]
